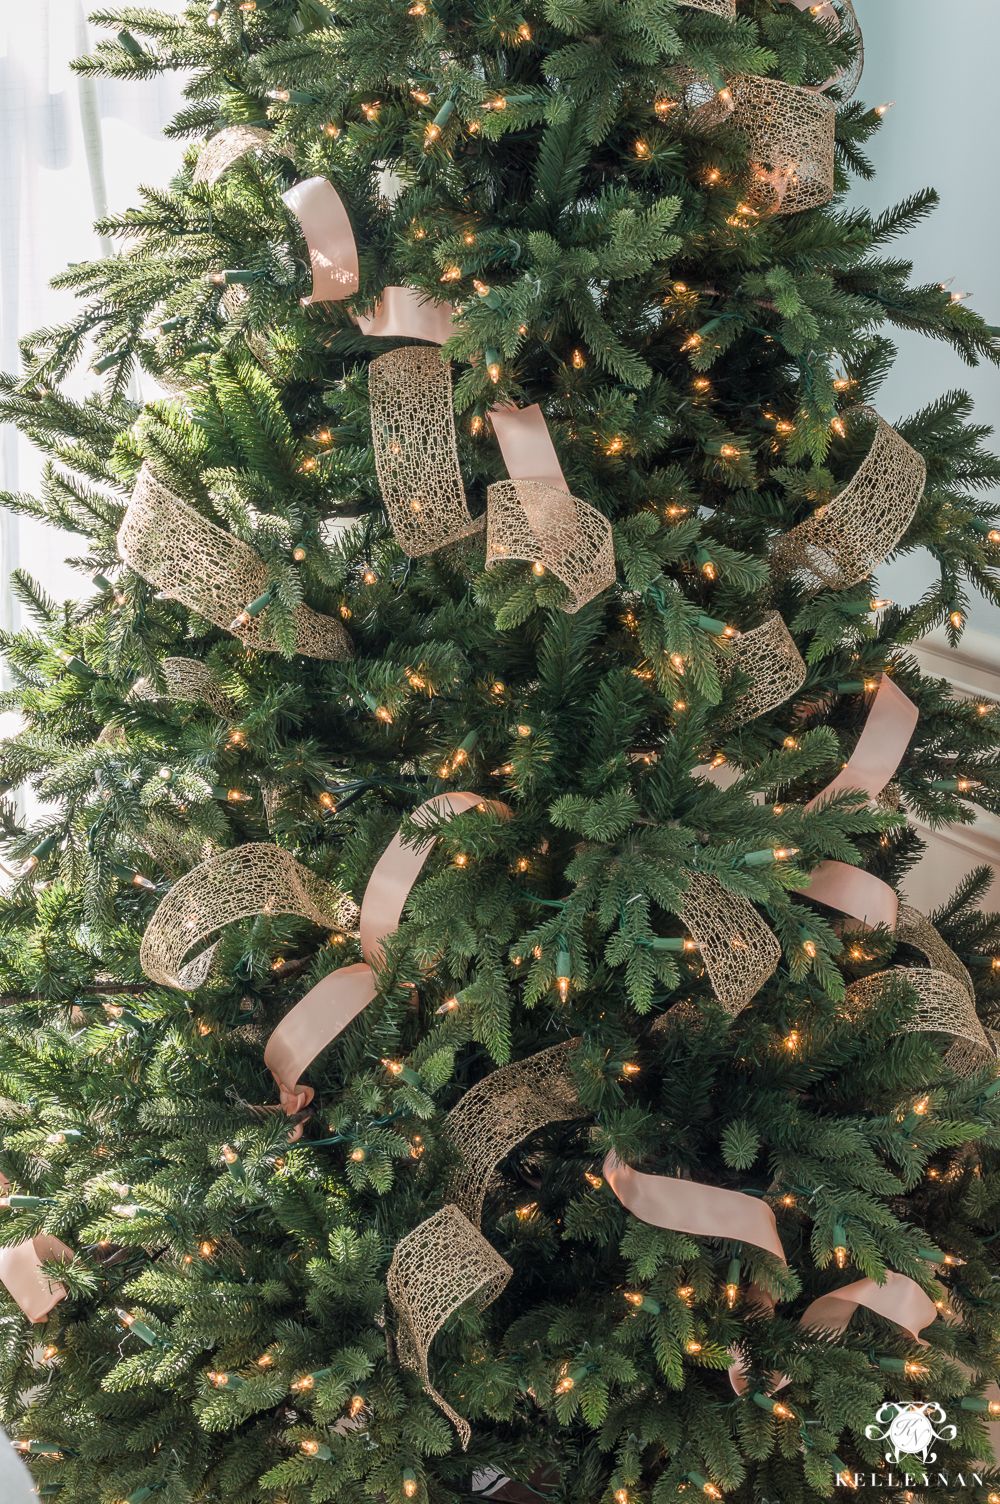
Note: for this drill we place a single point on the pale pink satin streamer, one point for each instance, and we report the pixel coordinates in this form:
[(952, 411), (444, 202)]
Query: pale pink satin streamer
[(405, 313), (20, 1271), (333, 253), (329, 1007), (884, 739), (899, 1300), (705, 1211), (881, 747)]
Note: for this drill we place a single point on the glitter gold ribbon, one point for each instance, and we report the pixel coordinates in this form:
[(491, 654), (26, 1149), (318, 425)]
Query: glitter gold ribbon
[(248, 880), (189, 559), (442, 1264)]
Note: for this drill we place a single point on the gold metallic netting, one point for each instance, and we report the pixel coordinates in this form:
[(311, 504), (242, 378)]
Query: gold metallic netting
[(843, 541), (966, 1059), (738, 949), (790, 133), (914, 929), (228, 146), (177, 848), (501, 1110), (944, 1006), (702, 106), (768, 657), (257, 878), (435, 1269), (840, 17), (413, 433), (725, 8), (191, 560), (186, 679), (526, 519)]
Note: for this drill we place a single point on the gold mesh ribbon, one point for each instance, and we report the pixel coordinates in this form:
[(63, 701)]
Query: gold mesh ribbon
[(529, 520), (725, 8), (413, 432), (790, 135), (944, 1006), (228, 146), (839, 16), (768, 657), (738, 949), (191, 560), (501, 1110), (914, 929), (186, 679), (435, 1269), (842, 542), (245, 881)]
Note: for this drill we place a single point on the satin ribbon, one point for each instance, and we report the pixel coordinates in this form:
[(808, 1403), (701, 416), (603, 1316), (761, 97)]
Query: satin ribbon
[(880, 749), (327, 1009), (21, 1271), (703, 1211)]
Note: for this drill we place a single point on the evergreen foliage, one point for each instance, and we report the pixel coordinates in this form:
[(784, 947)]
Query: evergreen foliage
[(247, 1278)]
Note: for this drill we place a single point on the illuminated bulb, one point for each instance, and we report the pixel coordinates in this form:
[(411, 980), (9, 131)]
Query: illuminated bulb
[(523, 729), (594, 1181), (692, 342), (355, 1405), (309, 1447), (410, 1487), (839, 427), (840, 1256), (371, 111), (641, 148), (56, 1138), (729, 451), (476, 425), (564, 1385), (789, 743), (282, 96), (578, 359), (783, 1412), (809, 946), (482, 288), (993, 536), (394, 1067), (788, 1199), (702, 384), (418, 8), (634, 1298), (357, 1155), (383, 715), (219, 1380), (498, 103), (266, 1360), (732, 1294), (420, 95), (468, 238), (206, 1248), (663, 106), (921, 1107), (881, 110), (331, 129), (710, 1491), (493, 370), (957, 619), (784, 853), (237, 796), (461, 860), (783, 426), (229, 1154), (693, 1346), (303, 1385), (630, 1068), (538, 567), (524, 1212), (914, 1370), (677, 662), (792, 1040), (327, 802), (523, 864), (713, 175), (524, 32), (680, 705), (686, 1294)]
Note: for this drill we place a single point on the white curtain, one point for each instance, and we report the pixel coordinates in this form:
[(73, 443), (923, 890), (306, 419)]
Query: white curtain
[(71, 149)]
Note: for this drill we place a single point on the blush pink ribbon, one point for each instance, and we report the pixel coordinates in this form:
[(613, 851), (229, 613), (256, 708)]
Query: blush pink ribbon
[(327, 1009), (709, 1211), (21, 1272), (703, 1211), (881, 746), (405, 313)]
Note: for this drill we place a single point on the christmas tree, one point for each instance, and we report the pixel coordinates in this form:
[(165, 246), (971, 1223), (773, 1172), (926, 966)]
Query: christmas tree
[(499, 564)]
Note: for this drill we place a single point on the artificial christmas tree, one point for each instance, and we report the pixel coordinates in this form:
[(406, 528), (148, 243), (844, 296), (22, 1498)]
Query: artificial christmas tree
[(459, 1022)]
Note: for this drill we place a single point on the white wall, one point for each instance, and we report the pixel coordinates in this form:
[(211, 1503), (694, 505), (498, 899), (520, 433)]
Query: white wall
[(938, 60)]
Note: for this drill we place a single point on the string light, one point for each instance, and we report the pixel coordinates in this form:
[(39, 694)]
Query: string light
[(701, 384), (578, 360), (372, 110), (641, 148), (410, 1485), (839, 1246), (594, 1181), (663, 106), (881, 110)]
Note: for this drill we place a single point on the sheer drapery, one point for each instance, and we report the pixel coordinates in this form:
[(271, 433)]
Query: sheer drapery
[(71, 148)]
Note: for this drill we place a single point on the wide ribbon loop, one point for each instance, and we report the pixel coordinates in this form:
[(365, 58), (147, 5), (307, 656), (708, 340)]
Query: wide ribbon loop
[(738, 949), (227, 147), (443, 1263), (768, 658), (190, 560), (326, 1009), (898, 1299), (22, 1277), (502, 1110), (845, 539), (326, 229), (880, 749)]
